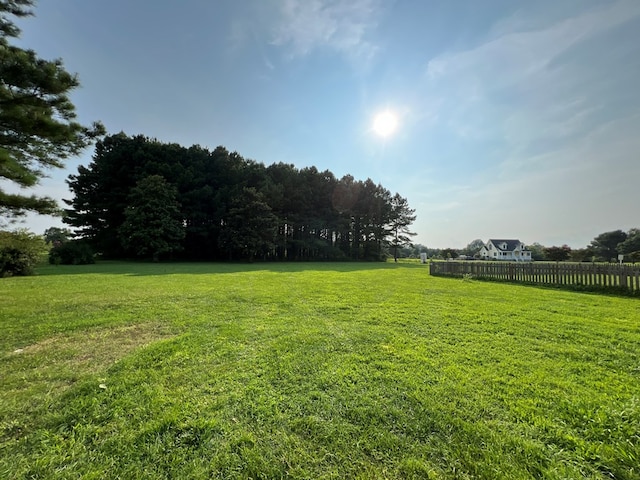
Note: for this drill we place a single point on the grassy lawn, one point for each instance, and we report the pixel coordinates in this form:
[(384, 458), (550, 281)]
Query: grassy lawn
[(315, 371)]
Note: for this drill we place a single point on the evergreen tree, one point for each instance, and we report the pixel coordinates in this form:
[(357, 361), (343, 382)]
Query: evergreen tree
[(153, 224), (37, 120), (249, 228), (401, 218), (605, 245), (232, 207), (345, 200), (101, 191), (630, 247)]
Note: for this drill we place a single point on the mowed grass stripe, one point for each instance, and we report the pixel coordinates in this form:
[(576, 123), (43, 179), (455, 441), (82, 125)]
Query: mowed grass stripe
[(312, 371)]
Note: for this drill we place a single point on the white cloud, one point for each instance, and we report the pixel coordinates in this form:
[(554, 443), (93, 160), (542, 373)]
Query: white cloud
[(568, 196), (342, 25), (517, 55), (557, 103), (532, 90)]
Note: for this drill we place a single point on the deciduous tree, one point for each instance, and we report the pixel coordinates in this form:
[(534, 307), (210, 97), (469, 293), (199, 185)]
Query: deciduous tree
[(449, 253), (473, 247), (537, 251), (20, 252), (557, 254), (56, 236), (581, 255)]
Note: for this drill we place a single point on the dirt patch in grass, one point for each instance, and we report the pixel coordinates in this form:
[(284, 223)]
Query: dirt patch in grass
[(34, 376), (55, 363), (96, 349)]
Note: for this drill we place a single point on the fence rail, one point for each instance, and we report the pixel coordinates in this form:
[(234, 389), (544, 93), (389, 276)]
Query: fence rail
[(600, 275)]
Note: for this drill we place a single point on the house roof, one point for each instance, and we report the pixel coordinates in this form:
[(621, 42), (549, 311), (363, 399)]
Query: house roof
[(511, 244)]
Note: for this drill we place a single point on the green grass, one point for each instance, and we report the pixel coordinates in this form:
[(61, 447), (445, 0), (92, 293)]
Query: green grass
[(315, 371)]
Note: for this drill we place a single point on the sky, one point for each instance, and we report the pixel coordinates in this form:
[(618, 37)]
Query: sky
[(515, 119)]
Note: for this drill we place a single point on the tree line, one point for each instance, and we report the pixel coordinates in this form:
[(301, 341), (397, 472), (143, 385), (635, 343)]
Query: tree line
[(142, 198), (604, 247)]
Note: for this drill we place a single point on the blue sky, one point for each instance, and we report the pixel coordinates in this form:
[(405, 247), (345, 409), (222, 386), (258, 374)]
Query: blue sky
[(516, 119)]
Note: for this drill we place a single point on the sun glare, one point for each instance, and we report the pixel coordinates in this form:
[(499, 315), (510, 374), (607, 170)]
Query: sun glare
[(385, 123)]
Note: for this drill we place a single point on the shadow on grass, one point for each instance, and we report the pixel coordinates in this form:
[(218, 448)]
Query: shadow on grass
[(209, 268)]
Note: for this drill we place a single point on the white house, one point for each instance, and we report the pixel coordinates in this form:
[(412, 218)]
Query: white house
[(511, 250)]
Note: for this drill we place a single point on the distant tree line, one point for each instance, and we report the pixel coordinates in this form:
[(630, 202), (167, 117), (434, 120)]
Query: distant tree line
[(141, 198), (603, 248)]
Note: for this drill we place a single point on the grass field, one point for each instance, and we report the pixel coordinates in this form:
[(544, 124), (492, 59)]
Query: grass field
[(312, 371)]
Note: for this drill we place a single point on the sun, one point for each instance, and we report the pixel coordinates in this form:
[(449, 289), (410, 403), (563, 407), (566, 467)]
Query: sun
[(385, 123)]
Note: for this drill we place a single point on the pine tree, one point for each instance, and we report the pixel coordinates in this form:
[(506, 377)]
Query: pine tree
[(37, 120), (153, 225), (249, 228), (401, 218)]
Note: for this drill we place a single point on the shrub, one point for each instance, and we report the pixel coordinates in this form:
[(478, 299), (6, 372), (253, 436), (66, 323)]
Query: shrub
[(73, 252), (20, 252)]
